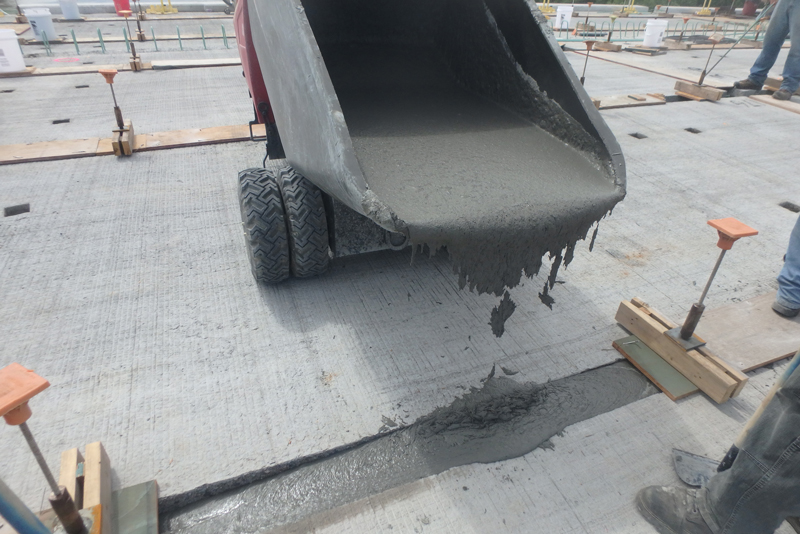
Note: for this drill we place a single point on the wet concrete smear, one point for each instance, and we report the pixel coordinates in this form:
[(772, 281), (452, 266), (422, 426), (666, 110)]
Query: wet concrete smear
[(501, 420), (501, 313)]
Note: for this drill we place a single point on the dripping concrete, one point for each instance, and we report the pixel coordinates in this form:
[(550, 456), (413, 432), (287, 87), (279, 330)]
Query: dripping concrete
[(502, 419)]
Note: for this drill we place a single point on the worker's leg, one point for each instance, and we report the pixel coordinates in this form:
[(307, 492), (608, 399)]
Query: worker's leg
[(788, 298), (755, 495), (773, 40), (760, 490), (791, 69)]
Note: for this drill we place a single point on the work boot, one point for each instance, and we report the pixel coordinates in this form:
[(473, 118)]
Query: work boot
[(671, 510), (786, 311), (747, 84), (782, 94)]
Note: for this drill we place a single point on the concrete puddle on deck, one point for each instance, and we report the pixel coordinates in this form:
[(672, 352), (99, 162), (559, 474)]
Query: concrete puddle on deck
[(501, 420)]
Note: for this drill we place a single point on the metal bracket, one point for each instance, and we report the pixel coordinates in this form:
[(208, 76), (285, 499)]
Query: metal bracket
[(687, 344)]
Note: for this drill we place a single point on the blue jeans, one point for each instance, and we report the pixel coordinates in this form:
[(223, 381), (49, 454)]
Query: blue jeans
[(785, 19), (762, 487), (789, 279)]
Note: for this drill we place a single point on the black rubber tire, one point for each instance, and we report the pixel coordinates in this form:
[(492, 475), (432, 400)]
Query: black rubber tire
[(306, 224), (264, 225)]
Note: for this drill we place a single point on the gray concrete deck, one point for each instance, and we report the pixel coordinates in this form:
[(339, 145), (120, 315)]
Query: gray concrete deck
[(127, 286)]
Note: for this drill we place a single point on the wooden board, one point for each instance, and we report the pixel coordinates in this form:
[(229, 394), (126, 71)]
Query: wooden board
[(80, 148), (788, 105), (27, 72), (690, 97), (97, 483), (165, 64), (196, 137), (749, 334), (701, 91), (607, 47), (19, 29), (713, 376), (49, 150), (627, 101), (663, 375)]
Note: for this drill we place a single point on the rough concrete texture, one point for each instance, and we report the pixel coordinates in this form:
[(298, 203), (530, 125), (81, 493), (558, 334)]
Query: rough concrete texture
[(144, 315), (198, 98), (127, 286), (503, 419)]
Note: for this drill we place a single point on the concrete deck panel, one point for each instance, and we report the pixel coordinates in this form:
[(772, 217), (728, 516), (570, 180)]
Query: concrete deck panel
[(155, 101)]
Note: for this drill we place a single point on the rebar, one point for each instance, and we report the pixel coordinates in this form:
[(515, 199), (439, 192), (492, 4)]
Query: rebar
[(224, 37), (203, 36), (51, 481), (127, 44), (180, 43), (75, 42), (46, 44), (100, 38), (153, 32)]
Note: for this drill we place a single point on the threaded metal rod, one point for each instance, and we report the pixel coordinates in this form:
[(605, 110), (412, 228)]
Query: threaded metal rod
[(39, 458), (711, 278)]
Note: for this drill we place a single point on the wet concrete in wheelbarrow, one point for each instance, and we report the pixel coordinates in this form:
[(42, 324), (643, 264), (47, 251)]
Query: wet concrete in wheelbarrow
[(501, 420)]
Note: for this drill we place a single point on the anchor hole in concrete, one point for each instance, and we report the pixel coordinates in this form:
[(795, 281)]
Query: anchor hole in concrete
[(7, 91), (10, 211), (692, 130), (791, 206), (638, 135), (60, 121), (81, 86)]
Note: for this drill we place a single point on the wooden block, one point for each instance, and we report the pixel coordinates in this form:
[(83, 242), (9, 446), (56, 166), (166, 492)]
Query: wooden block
[(690, 97), (603, 46), (627, 101), (136, 64), (116, 145), (97, 483), (715, 379), (773, 83), (788, 105), (126, 139), (663, 375), (69, 475), (596, 103), (704, 92), (659, 96), (672, 44)]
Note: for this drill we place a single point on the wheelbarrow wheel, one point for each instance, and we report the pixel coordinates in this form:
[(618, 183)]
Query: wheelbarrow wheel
[(306, 223), (264, 224)]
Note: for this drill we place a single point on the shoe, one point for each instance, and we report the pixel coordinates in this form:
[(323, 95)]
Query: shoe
[(786, 311), (782, 94), (671, 510), (748, 84)]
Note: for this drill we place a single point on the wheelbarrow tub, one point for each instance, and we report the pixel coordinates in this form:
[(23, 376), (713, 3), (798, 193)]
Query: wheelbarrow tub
[(458, 123)]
